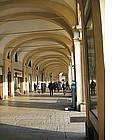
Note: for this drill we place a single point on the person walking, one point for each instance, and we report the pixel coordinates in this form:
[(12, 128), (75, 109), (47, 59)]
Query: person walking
[(58, 87), (54, 86), (73, 88), (35, 86), (43, 87), (93, 85), (67, 85), (64, 87), (50, 86)]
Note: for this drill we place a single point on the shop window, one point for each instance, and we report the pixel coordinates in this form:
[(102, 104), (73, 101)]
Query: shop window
[(91, 65)]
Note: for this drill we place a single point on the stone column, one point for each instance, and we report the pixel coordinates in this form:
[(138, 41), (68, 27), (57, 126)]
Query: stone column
[(51, 76), (83, 61), (70, 75), (33, 78), (72, 66), (5, 79), (83, 104), (12, 79), (25, 81), (78, 68)]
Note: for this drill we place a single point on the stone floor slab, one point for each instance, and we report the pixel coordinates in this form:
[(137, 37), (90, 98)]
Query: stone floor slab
[(39, 117)]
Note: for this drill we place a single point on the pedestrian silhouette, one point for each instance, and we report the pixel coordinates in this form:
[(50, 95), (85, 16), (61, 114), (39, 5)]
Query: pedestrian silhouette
[(93, 86), (50, 86)]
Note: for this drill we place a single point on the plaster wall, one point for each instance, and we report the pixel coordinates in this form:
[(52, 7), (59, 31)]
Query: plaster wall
[(8, 64), (29, 70), (18, 65)]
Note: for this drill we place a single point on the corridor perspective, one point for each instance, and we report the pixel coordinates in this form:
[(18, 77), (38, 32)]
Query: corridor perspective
[(52, 83)]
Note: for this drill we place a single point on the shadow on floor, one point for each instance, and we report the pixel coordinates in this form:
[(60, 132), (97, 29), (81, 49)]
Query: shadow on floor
[(11, 132), (59, 104), (67, 95)]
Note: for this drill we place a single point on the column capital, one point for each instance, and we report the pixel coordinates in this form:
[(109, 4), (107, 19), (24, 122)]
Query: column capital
[(78, 32)]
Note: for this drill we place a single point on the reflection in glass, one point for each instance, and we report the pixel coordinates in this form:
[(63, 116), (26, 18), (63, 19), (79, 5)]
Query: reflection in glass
[(92, 66)]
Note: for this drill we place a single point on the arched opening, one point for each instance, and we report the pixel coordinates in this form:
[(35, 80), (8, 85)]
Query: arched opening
[(16, 57)]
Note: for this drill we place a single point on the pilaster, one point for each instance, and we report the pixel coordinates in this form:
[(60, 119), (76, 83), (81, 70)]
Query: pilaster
[(77, 48)]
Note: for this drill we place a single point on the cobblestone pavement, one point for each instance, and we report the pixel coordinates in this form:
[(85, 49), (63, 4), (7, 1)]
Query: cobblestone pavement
[(40, 117)]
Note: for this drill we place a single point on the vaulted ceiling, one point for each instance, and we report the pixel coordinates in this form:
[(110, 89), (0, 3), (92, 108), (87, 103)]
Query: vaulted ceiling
[(39, 31)]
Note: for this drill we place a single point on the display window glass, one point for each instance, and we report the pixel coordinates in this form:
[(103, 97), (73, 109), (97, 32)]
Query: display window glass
[(91, 65)]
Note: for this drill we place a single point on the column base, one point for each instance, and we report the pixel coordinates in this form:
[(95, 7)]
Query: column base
[(83, 107), (12, 95), (5, 97), (77, 106)]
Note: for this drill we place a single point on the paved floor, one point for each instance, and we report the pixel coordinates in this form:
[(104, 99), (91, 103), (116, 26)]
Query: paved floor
[(40, 117)]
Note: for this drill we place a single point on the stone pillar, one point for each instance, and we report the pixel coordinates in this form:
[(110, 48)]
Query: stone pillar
[(78, 69), (25, 81), (72, 66), (5, 79), (51, 76), (70, 75), (12, 79), (48, 77), (83, 104), (83, 60), (23, 75), (33, 78), (57, 77)]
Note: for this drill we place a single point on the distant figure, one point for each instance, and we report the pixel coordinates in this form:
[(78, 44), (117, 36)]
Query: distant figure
[(54, 86), (73, 88), (18, 90), (58, 87), (64, 88), (35, 86), (93, 85), (43, 87), (50, 86), (67, 85)]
